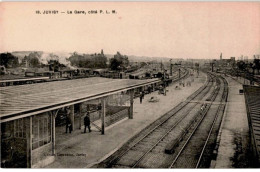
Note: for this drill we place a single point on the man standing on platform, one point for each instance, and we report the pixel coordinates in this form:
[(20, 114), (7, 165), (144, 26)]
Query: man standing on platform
[(141, 97), (87, 122), (68, 124)]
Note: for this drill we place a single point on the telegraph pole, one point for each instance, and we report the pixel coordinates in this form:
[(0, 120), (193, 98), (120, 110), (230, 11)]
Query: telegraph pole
[(179, 69), (171, 66), (212, 66)]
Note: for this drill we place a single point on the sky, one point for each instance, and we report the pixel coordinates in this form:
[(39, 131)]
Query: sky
[(154, 29)]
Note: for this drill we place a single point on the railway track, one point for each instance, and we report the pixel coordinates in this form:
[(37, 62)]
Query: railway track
[(155, 146), (197, 149)]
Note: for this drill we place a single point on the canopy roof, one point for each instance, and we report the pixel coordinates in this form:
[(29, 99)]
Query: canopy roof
[(25, 99)]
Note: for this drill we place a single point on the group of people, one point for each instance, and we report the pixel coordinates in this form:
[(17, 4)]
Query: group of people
[(162, 90), (142, 93), (86, 123)]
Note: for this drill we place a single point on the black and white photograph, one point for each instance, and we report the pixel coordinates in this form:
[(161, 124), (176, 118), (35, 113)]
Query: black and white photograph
[(147, 85)]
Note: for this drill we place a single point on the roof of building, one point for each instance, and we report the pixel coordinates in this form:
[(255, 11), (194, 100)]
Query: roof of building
[(13, 78), (35, 78), (26, 99), (252, 95)]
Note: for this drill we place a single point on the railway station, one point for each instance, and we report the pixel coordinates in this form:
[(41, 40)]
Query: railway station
[(29, 113), (34, 121), (168, 85)]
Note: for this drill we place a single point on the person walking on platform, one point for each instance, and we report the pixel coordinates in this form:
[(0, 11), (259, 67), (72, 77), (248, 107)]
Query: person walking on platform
[(87, 122), (141, 97), (68, 125)]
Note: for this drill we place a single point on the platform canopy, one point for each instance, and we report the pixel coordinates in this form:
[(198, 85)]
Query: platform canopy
[(26, 100)]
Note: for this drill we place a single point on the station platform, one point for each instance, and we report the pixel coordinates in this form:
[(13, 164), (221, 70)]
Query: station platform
[(83, 150), (234, 138)]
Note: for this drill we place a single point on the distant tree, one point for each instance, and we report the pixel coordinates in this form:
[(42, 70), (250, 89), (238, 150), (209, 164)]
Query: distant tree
[(142, 64), (100, 61), (241, 65), (119, 62), (88, 61), (54, 57), (114, 64), (33, 59), (54, 63), (256, 64), (251, 66), (8, 60), (34, 62), (75, 59)]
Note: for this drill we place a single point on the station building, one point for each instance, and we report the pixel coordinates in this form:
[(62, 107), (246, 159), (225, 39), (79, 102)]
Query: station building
[(30, 114)]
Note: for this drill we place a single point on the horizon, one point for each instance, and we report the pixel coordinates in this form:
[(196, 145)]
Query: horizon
[(174, 30), (136, 56)]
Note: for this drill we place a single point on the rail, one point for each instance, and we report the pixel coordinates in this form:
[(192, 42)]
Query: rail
[(196, 128), (177, 109)]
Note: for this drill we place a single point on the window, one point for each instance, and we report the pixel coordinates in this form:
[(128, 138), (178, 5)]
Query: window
[(19, 128), (41, 130)]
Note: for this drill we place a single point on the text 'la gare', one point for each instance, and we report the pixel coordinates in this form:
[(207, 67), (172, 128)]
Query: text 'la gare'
[(77, 12)]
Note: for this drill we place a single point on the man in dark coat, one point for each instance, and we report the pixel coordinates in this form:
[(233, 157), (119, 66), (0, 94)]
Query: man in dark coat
[(87, 123), (68, 125), (141, 96)]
